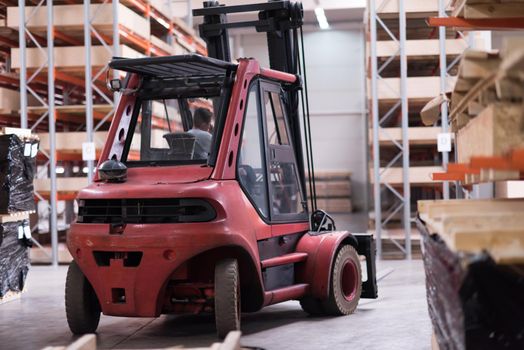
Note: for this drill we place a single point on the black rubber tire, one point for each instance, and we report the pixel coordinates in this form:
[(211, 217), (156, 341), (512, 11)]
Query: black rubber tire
[(227, 297), (81, 304), (312, 306), (337, 303)]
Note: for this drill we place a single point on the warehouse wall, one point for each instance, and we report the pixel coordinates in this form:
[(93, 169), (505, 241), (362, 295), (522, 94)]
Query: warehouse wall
[(335, 72)]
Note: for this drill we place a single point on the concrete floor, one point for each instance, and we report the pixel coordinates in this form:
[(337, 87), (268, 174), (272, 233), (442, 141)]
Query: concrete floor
[(398, 319)]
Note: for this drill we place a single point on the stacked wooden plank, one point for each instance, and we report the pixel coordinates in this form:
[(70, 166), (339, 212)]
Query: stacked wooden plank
[(473, 256), (334, 191), (487, 111)]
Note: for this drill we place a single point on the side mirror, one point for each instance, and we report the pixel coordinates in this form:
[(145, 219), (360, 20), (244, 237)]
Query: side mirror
[(112, 171)]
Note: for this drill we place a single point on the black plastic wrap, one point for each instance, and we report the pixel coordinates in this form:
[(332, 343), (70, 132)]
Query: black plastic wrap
[(14, 257), (473, 302), (16, 176)]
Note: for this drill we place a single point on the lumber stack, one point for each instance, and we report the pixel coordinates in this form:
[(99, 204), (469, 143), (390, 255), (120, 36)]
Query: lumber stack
[(487, 115), (334, 191), (18, 149), (474, 258)]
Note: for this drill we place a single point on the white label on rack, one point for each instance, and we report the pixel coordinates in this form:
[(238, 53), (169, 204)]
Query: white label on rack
[(20, 232), (27, 232), (27, 150), (34, 150), (88, 151), (444, 142)]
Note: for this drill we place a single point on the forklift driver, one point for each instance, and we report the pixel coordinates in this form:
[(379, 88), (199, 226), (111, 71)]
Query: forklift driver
[(201, 130)]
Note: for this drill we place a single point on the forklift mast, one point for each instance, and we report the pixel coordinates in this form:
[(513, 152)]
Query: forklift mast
[(281, 21)]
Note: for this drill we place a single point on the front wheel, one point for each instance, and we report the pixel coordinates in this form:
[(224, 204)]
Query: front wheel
[(81, 304), (346, 283), (227, 297)]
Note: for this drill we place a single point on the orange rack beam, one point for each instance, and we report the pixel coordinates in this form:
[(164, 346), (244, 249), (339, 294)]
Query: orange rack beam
[(514, 160), (477, 23)]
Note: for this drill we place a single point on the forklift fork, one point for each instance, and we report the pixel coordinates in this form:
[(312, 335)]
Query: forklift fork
[(366, 247)]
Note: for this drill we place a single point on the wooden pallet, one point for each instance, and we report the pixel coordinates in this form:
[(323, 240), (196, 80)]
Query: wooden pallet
[(10, 296), (474, 226), (14, 217)]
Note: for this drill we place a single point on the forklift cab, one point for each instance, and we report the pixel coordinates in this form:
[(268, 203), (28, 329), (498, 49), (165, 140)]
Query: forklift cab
[(162, 129)]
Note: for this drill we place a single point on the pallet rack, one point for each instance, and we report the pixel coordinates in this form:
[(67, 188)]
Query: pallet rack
[(407, 66), (59, 95), (480, 237)]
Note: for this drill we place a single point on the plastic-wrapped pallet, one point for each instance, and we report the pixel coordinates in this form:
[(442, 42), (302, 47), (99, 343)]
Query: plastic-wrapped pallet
[(17, 168), (14, 256)]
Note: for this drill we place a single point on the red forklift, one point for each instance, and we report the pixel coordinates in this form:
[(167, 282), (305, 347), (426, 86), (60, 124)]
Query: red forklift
[(204, 210)]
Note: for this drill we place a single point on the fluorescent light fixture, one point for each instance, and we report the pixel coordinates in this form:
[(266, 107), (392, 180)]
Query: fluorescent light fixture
[(321, 18)]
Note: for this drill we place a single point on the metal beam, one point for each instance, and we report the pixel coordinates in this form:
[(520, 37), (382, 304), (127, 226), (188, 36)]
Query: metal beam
[(405, 125), (88, 82), (380, 185), (23, 65), (52, 132), (443, 83), (376, 126)]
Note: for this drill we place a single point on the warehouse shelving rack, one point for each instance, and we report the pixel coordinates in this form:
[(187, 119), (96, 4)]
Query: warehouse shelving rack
[(77, 100), (381, 18), (47, 102), (403, 148)]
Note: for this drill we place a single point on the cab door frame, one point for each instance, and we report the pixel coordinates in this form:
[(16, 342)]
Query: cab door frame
[(284, 153)]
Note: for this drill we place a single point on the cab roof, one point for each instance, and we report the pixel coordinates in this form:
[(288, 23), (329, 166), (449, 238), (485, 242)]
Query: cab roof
[(169, 67)]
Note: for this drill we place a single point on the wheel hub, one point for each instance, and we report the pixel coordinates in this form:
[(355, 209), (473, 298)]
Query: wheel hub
[(349, 280)]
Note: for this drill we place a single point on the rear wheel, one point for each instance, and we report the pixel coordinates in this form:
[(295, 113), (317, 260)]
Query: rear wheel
[(227, 297), (81, 304), (346, 283)]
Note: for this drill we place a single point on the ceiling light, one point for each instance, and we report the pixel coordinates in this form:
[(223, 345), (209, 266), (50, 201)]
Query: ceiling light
[(321, 18)]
